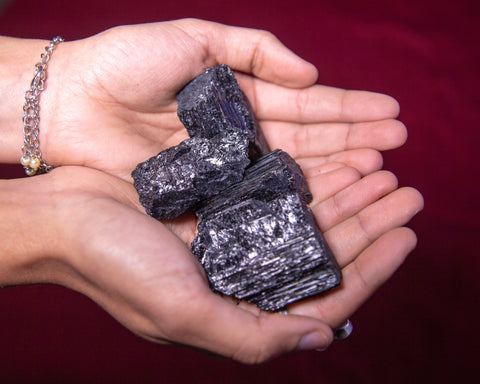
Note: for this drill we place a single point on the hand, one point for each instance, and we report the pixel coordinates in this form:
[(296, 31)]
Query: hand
[(110, 99), (111, 104), (142, 272)]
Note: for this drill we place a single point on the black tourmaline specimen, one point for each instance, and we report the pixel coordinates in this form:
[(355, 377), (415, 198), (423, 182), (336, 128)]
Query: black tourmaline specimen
[(259, 241), (224, 136), (257, 238), (273, 175), (213, 103), (196, 169)]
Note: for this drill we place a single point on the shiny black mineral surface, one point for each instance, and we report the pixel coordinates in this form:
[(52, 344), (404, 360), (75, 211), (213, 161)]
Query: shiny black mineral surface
[(273, 175), (213, 103), (196, 169), (259, 241), (257, 238)]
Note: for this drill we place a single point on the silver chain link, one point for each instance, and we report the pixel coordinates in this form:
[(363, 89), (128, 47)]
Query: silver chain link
[(32, 159)]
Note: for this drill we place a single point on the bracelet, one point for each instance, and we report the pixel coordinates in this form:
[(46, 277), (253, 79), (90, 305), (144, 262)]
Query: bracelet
[(32, 157)]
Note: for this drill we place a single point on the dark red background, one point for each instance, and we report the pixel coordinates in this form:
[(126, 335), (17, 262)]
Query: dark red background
[(421, 327)]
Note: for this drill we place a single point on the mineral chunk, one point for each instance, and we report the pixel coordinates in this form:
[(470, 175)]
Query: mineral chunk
[(213, 103), (259, 240), (196, 169), (273, 175)]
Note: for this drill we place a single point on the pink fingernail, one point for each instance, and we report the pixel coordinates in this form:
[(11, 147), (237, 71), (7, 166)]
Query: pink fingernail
[(312, 341)]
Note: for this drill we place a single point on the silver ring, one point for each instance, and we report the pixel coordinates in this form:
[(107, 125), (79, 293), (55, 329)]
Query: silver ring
[(343, 331)]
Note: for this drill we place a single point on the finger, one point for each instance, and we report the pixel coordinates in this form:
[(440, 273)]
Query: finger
[(310, 170), (364, 160), (316, 104), (324, 139), (361, 278), (350, 200), (323, 185), (353, 235), (254, 51), (220, 327)]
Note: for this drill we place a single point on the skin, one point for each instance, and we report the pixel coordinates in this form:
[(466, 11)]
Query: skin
[(105, 110)]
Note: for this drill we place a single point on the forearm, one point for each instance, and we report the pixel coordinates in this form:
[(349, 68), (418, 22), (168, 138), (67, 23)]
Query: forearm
[(17, 64)]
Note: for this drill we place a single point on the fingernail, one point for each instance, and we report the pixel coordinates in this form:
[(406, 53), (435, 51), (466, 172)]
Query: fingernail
[(313, 341), (322, 349)]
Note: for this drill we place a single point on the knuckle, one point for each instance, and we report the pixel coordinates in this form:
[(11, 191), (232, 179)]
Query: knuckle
[(302, 100)]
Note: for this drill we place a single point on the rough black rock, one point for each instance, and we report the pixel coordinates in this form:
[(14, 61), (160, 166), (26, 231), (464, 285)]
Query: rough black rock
[(196, 169), (268, 253), (213, 103), (259, 240), (273, 175)]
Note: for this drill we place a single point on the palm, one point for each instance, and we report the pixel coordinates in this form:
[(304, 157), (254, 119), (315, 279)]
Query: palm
[(143, 271), (116, 108)]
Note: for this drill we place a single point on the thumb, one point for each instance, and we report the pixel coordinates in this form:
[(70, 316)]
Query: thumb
[(255, 52), (231, 331)]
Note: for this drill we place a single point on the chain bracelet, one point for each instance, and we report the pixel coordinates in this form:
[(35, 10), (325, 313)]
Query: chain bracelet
[(32, 159)]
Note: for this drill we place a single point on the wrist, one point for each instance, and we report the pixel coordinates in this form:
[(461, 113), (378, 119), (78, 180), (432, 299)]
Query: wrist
[(32, 159), (18, 63)]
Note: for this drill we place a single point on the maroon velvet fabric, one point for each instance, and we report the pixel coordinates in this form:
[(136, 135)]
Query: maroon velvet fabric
[(421, 327)]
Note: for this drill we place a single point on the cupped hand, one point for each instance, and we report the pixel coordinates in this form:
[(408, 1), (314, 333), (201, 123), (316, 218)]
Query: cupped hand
[(142, 272), (110, 98), (111, 104)]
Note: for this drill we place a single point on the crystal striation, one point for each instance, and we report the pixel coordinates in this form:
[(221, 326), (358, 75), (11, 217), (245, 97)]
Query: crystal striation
[(273, 175), (213, 103), (259, 240), (196, 169)]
